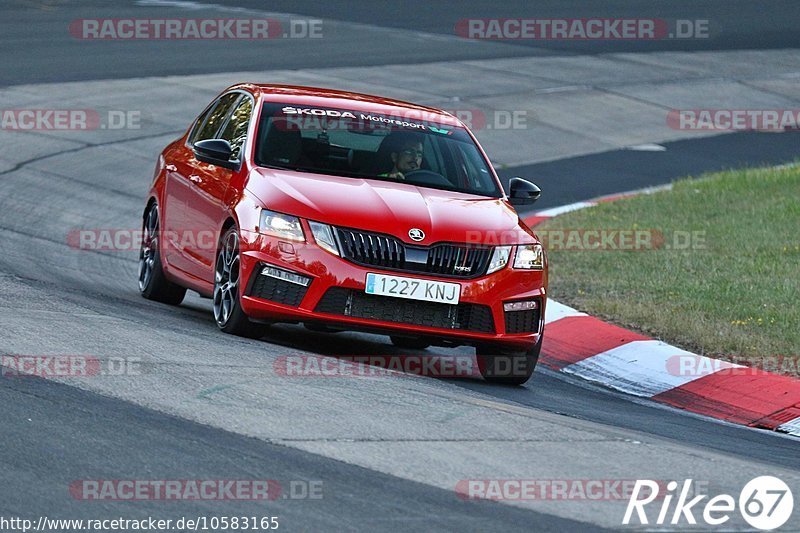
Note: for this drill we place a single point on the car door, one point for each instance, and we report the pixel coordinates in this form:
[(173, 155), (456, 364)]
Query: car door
[(211, 183), (194, 196), (235, 132)]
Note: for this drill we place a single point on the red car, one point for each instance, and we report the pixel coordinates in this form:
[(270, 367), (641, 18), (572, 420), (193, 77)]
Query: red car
[(345, 211)]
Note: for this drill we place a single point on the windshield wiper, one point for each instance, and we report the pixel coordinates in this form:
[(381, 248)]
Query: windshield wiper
[(281, 167)]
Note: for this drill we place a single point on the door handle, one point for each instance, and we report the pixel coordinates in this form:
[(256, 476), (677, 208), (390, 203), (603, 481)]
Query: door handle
[(195, 179), (171, 168)]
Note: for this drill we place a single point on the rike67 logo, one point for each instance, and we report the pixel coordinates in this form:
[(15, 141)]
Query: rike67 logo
[(766, 503)]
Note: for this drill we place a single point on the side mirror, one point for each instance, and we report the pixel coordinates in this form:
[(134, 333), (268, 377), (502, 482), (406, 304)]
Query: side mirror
[(215, 151), (522, 192)]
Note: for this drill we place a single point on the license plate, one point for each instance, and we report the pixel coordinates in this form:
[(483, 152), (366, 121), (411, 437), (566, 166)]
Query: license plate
[(413, 289)]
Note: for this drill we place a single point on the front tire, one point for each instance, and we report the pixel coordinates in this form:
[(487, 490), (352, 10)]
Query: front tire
[(153, 285), (228, 313), (504, 367)]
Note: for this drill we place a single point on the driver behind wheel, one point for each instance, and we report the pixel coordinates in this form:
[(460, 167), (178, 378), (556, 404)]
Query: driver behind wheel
[(406, 153)]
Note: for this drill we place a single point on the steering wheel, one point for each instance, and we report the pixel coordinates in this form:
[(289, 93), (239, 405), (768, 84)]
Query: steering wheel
[(427, 177)]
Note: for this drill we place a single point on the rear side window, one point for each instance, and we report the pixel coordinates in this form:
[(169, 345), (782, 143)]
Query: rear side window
[(214, 118), (235, 131)]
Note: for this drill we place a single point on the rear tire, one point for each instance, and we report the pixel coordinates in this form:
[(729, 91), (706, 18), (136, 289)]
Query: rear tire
[(505, 367), (228, 313), (153, 285), (409, 343)]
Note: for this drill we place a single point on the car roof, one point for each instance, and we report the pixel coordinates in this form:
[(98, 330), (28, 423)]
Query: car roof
[(332, 98)]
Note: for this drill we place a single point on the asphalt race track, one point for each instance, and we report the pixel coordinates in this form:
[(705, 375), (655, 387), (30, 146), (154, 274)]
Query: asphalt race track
[(412, 32), (388, 451)]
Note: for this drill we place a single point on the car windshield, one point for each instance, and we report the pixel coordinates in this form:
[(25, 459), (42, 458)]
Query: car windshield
[(356, 144)]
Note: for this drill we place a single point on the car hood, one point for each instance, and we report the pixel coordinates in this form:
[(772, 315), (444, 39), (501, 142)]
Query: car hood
[(389, 207)]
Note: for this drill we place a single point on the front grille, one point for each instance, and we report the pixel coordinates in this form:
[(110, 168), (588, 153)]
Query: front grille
[(464, 316), (522, 321), (387, 252), (276, 290)]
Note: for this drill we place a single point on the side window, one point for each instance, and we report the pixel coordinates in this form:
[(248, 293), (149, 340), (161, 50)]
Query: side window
[(432, 158), (198, 125), (477, 173), (236, 130), (215, 118)]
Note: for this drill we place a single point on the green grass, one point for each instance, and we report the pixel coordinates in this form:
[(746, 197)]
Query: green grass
[(735, 294)]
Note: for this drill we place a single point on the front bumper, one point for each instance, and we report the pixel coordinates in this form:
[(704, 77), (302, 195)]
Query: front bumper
[(334, 295)]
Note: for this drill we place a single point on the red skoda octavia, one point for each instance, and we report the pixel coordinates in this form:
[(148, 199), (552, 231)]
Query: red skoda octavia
[(346, 212)]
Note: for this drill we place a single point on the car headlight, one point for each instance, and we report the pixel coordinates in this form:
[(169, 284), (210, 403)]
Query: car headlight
[(323, 234), (280, 225), (529, 257), (499, 258)]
